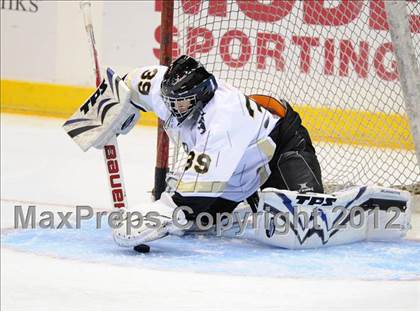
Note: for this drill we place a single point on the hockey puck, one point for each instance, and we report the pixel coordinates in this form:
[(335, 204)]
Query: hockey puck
[(142, 248)]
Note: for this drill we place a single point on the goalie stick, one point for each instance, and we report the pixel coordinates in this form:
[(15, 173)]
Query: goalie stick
[(111, 148)]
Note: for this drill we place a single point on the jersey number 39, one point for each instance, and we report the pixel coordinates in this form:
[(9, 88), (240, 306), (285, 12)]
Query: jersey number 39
[(145, 78), (202, 163)]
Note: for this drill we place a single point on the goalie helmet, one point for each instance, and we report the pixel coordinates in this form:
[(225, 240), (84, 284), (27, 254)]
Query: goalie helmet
[(186, 87)]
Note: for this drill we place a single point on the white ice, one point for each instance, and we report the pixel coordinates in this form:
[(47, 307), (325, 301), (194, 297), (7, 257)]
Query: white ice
[(84, 270)]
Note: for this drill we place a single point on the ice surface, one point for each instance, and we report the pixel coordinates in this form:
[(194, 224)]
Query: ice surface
[(227, 256), (84, 269)]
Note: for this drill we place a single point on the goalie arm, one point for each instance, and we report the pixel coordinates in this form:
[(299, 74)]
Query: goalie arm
[(144, 84)]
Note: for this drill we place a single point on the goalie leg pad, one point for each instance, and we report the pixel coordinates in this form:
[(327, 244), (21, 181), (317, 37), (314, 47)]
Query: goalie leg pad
[(293, 220)]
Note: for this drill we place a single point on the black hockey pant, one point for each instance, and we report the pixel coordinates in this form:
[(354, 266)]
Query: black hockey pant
[(294, 165)]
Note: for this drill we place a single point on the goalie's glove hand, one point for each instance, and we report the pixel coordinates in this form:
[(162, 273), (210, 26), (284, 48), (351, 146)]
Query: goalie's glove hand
[(149, 222)]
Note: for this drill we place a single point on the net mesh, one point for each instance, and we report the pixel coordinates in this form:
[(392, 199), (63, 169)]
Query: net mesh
[(332, 60)]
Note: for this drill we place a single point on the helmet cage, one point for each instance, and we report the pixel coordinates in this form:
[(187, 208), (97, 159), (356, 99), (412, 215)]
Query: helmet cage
[(172, 104)]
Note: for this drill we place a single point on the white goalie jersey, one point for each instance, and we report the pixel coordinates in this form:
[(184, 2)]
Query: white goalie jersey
[(228, 146)]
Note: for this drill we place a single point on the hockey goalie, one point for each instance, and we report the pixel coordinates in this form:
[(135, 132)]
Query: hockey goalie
[(241, 148)]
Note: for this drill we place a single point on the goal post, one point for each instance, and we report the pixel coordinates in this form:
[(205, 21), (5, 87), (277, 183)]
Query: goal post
[(161, 167), (347, 68), (408, 65)]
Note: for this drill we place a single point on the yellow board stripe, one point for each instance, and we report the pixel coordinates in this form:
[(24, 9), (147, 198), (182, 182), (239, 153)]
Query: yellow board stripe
[(362, 128), (52, 100), (325, 124)]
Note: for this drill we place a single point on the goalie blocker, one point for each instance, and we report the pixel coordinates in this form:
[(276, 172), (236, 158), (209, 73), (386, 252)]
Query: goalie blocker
[(109, 111)]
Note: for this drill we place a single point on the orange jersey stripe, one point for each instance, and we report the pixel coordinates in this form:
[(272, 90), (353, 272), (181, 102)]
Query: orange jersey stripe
[(270, 103)]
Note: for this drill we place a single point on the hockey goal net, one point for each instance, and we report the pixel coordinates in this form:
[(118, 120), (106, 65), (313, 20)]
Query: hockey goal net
[(332, 60)]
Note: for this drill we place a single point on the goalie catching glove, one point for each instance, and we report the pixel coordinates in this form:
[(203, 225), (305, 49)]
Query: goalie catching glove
[(106, 113)]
